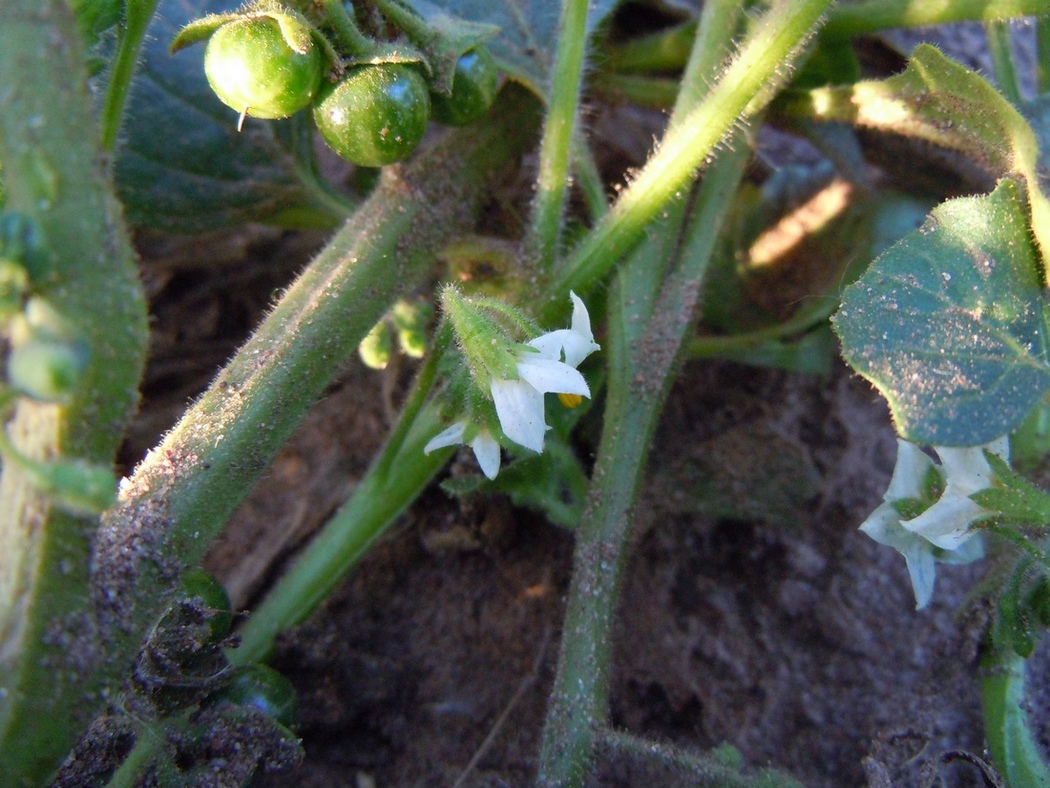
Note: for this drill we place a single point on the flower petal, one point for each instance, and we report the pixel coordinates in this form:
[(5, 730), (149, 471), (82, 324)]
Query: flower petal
[(450, 437), (581, 320), (486, 450), (922, 570), (909, 473), (564, 344), (519, 407), (947, 523), (547, 376)]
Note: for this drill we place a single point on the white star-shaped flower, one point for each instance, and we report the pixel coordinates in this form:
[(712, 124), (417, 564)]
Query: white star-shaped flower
[(942, 533), (947, 523), (547, 364), (485, 447)]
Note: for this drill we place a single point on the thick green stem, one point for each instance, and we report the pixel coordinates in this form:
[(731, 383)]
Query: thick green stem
[(137, 15), (732, 100), (1014, 750), (185, 489), (51, 172), (541, 244)]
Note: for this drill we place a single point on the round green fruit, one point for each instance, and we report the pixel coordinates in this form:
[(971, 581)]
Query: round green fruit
[(474, 89), (376, 115), (198, 584), (265, 689), (255, 71)]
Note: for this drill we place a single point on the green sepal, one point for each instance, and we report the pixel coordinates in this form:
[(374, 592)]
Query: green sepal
[(200, 30), (1018, 500), (449, 38)]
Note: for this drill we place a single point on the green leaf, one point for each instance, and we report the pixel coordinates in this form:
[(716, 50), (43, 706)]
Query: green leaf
[(950, 323), (528, 32), (183, 166), (943, 102)]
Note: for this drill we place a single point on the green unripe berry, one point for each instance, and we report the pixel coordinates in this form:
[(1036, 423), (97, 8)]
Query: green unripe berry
[(474, 88), (253, 68), (265, 689), (79, 486), (376, 115), (22, 243), (411, 320), (47, 370), (377, 346), (198, 584), (14, 285)]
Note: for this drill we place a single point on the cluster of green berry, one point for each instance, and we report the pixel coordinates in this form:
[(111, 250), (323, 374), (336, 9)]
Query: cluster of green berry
[(47, 359), (371, 101)]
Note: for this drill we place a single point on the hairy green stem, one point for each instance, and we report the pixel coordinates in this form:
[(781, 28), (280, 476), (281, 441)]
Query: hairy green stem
[(544, 234), (589, 178), (186, 488), (643, 365), (1014, 750), (649, 319), (645, 91), (759, 64), (52, 173), (669, 49), (350, 36), (704, 771), (800, 322), (137, 15)]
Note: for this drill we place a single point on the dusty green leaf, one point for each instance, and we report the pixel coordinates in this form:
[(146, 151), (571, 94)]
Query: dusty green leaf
[(950, 324)]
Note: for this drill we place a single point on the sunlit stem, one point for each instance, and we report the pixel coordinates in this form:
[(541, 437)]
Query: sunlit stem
[(684, 150), (853, 19)]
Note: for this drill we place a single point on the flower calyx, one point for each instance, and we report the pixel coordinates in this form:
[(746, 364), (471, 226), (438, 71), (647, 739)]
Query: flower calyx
[(514, 375)]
